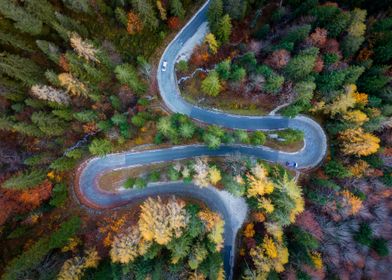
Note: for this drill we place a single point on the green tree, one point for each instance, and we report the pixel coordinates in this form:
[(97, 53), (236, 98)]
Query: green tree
[(177, 9), (100, 147), (214, 14), (128, 75), (223, 69), (300, 66), (25, 180), (235, 8), (187, 130), (48, 123), (19, 68), (211, 140), (335, 169), (273, 83), (146, 12), (16, 41), (182, 66), (351, 44), (211, 85), (258, 138), (224, 29), (59, 195), (23, 20), (237, 74)]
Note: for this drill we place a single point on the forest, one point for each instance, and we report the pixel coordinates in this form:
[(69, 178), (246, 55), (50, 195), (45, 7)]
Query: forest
[(82, 84)]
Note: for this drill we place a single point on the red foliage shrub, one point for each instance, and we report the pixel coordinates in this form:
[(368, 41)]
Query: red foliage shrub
[(278, 59), (319, 65), (331, 46), (173, 23), (199, 55), (319, 37)]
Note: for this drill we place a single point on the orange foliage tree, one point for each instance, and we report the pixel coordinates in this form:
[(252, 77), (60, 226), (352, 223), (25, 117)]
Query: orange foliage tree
[(173, 23), (18, 202), (134, 23)]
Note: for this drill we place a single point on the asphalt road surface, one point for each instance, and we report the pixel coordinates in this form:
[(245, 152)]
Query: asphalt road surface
[(311, 155)]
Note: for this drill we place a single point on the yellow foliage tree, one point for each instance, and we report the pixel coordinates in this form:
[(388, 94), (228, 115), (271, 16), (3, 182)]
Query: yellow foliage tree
[(160, 222), (125, 246), (212, 43), (356, 116), (214, 225), (357, 142), (214, 175), (268, 256), (249, 231), (354, 203), (317, 260), (343, 102), (359, 168), (72, 85)]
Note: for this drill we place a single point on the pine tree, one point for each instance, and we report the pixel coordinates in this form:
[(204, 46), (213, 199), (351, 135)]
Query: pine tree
[(146, 12), (224, 30), (236, 8), (24, 21), (214, 15), (25, 180), (128, 75), (42, 9), (50, 49), (15, 41), (79, 6), (177, 9), (83, 48), (48, 124), (121, 16), (19, 68), (211, 85), (300, 66)]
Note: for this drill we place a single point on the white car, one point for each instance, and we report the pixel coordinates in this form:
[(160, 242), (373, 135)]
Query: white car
[(164, 65)]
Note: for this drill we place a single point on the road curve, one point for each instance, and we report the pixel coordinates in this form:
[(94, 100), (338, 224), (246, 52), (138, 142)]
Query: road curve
[(86, 181)]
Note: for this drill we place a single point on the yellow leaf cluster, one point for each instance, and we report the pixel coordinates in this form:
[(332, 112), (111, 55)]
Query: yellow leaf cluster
[(249, 231), (162, 10), (212, 43), (214, 225), (125, 246), (317, 260), (361, 98), (357, 142), (356, 116), (353, 201), (343, 102), (266, 204), (270, 255), (359, 168), (214, 175), (160, 222), (72, 85), (73, 243)]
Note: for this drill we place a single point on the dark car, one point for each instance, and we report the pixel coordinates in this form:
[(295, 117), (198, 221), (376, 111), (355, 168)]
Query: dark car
[(291, 164)]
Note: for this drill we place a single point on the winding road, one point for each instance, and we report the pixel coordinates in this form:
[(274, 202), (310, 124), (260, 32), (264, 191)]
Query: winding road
[(86, 181)]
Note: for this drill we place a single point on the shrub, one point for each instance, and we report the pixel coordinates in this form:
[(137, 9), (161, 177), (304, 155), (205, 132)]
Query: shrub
[(182, 66), (335, 169), (129, 183), (291, 135), (364, 235), (59, 195), (381, 247), (258, 138)]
